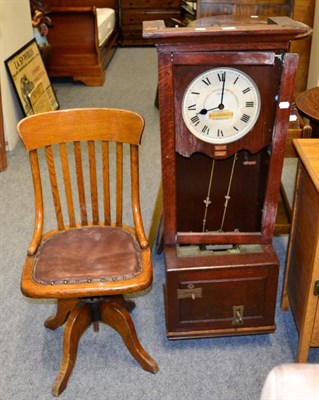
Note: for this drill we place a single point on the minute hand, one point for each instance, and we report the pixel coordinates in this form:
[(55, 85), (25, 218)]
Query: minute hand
[(221, 106)]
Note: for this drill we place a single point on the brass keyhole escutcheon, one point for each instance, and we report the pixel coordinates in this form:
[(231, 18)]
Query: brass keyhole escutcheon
[(238, 315)]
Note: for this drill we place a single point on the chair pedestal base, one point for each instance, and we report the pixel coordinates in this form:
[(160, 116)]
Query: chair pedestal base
[(113, 311)]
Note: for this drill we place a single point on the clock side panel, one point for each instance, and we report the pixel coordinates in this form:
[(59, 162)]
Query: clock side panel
[(167, 124)]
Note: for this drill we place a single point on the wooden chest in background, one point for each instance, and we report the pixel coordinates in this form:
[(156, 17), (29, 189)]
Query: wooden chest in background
[(134, 12)]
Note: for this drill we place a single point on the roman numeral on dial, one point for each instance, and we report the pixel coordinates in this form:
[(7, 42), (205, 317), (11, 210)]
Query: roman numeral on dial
[(245, 118), (195, 120), (192, 107), (222, 76), (205, 130)]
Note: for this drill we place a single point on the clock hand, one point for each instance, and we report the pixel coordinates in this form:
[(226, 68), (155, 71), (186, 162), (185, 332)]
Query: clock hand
[(221, 106), (204, 111)]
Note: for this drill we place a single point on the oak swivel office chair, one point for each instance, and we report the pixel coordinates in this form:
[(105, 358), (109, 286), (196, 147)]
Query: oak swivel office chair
[(87, 263)]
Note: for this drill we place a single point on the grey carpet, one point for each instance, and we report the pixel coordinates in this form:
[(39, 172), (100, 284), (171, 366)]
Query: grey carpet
[(208, 369)]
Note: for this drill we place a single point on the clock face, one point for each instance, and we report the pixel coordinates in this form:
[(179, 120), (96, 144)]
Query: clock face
[(221, 105)]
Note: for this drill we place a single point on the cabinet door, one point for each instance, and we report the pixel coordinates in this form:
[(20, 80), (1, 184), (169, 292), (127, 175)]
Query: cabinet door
[(213, 301)]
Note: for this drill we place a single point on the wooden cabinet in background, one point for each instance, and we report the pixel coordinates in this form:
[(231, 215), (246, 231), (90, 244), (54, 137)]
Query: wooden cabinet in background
[(134, 12), (206, 8), (301, 284)]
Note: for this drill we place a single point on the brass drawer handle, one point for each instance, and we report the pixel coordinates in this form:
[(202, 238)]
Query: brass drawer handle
[(190, 293)]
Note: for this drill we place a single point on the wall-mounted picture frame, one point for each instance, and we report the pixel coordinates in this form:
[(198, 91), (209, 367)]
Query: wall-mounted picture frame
[(31, 81)]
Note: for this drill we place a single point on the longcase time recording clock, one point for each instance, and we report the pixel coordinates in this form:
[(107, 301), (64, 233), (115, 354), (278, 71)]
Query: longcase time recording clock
[(225, 93)]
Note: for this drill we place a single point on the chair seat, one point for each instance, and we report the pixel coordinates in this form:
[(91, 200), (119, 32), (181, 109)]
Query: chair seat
[(87, 254)]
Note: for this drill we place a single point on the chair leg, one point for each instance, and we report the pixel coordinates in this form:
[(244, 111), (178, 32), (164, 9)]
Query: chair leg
[(129, 305), (64, 307), (115, 315), (77, 323)]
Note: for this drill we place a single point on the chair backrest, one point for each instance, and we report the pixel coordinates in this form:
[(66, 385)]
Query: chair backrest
[(207, 8), (61, 134)]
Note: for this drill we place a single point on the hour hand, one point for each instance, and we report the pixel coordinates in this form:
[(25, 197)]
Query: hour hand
[(204, 111)]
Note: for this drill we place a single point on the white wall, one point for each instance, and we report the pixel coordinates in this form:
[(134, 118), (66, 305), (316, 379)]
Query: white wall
[(313, 76), (15, 31)]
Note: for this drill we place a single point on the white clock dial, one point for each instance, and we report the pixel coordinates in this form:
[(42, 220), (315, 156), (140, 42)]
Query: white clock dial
[(221, 105)]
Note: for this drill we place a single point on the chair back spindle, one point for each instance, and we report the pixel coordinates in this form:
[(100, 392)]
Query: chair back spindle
[(119, 184), (80, 182), (93, 182), (106, 182), (54, 186), (67, 184)]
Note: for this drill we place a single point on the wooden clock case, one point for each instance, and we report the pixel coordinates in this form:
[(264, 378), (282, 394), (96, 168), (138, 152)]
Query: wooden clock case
[(222, 279)]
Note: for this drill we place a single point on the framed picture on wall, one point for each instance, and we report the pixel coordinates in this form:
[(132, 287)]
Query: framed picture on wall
[(30, 80)]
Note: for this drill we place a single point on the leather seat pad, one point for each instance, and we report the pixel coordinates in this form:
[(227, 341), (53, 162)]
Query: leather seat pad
[(87, 254)]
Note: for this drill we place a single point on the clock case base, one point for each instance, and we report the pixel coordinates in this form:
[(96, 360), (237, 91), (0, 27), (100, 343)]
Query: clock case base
[(221, 294)]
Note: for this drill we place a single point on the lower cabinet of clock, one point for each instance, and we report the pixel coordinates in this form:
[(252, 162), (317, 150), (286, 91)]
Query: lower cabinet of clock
[(220, 294)]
